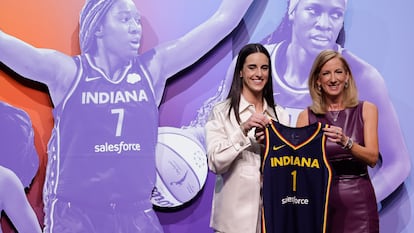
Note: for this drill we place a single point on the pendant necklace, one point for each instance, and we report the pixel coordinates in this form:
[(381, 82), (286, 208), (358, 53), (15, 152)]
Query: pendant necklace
[(334, 115)]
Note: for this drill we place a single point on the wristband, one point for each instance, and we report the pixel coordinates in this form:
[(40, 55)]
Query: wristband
[(349, 143)]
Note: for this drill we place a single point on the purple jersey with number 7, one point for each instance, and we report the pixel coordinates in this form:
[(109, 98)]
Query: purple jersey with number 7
[(102, 148)]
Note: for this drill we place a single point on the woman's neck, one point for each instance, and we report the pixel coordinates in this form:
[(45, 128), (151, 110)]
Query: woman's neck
[(334, 103), (337, 106), (256, 100)]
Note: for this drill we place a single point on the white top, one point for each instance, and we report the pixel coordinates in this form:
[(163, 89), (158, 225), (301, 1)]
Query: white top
[(235, 159)]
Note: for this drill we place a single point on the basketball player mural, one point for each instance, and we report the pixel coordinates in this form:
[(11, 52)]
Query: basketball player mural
[(101, 155), (18, 165), (308, 27), (15, 204)]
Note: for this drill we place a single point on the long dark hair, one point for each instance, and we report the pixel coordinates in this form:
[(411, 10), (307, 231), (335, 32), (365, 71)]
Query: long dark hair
[(237, 83)]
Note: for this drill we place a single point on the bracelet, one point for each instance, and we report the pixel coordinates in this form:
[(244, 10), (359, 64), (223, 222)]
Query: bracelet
[(349, 143)]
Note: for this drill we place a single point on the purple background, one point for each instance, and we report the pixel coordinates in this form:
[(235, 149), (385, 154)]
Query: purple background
[(387, 47), (378, 31)]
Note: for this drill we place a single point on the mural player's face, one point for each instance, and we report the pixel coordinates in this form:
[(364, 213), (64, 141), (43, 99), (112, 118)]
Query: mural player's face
[(255, 73), (122, 29), (316, 24)]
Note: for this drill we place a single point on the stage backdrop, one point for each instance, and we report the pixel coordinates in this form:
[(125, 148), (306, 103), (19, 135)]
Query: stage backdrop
[(377, 31)]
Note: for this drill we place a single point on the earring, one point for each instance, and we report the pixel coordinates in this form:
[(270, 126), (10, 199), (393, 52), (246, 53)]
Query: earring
[(346, 84), (319, 88)]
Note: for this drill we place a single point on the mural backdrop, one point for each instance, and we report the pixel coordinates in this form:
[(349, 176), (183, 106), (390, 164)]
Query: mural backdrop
[(377, 34)]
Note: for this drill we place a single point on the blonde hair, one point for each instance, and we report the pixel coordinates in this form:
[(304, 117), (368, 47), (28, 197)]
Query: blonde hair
[(318, 97)]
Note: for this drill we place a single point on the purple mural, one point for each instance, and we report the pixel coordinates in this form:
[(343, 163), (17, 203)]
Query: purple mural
[(101, 156), (184, 51), (18, 165)]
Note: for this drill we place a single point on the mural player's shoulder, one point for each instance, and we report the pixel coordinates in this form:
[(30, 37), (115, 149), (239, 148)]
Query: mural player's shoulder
[(363, 72)]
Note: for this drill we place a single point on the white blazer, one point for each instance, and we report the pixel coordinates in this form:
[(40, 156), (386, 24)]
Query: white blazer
[(235, 159)]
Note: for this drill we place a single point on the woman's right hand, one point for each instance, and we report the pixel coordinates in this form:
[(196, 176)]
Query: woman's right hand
[(257, 121)]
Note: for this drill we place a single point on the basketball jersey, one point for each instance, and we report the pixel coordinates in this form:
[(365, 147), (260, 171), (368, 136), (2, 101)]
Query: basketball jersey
[(102, 148), (296, 179)]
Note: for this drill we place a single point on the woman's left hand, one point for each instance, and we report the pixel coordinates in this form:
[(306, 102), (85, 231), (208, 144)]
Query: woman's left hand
[(259, 134)]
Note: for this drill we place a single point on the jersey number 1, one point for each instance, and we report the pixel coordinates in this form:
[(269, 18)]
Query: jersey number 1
[(294, 180)]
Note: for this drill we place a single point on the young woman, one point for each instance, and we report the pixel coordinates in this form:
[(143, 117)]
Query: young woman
[(234, 137)]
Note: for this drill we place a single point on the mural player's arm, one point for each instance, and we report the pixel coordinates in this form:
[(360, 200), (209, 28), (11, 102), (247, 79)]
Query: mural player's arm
[(173, 56), (15, 203), (51, 67), (395, 166)]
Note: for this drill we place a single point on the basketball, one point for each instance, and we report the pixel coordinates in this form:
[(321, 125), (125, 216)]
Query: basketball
[(181, 165)]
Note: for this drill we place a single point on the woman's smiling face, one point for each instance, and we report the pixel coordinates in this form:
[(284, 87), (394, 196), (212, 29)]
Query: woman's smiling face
[(255, 74), (332, 77)]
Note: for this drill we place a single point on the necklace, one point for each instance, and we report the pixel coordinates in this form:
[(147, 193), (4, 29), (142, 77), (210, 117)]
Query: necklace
[(334, 115)]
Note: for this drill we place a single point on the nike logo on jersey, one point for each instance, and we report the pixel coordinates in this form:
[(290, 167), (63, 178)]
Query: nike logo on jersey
[(88, 79), (278, 147)]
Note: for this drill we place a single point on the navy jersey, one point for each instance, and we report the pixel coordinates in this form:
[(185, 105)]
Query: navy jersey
[(102, 148), (296, 179)]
